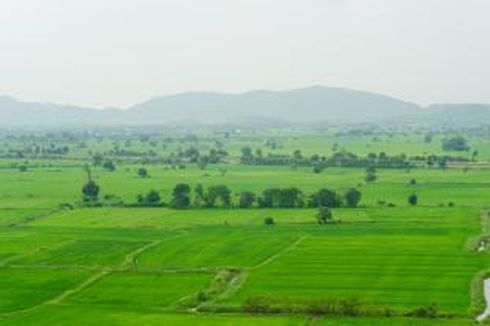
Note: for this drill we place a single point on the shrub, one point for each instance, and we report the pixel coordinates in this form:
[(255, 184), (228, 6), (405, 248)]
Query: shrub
[(269, 221)]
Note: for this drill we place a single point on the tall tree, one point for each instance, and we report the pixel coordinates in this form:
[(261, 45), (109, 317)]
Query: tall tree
[(352, 197), (181, 196)]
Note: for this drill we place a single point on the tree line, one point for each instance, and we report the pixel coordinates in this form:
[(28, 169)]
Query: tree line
[(215, 196)]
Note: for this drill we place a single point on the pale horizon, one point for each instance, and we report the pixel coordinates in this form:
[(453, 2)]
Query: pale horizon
[(118, 53)]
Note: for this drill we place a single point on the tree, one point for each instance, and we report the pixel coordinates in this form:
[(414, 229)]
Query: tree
[(370, 174), (97, 159), (297, 155), (318, 168), (413, 200), (180, 196), (142, 173), (324, 215), (199, 195), (352, 197), (325, 198), (246, 200), (269, 221), (91, 189), (281, 197), (151, 198), (455, 144), (109, 165), (219, 193), (247, 155)]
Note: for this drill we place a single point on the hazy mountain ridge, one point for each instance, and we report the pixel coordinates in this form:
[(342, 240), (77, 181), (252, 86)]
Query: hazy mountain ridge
[(304, 105), (311, 104)]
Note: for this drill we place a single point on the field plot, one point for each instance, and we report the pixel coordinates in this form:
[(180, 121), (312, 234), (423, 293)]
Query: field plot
[(68, 258), (90, 315), (15, 243), (13, 216), (225, 247), (404, 267), (142, 290), (151, 218), (83, 253), (25, 288)]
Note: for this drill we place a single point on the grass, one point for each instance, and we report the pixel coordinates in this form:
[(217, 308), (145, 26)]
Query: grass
[(142, 290), (151, 260), (25, 288), (215, 248), (82, 253)]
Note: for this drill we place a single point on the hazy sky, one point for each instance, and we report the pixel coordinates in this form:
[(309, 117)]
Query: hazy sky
[(119, 52)]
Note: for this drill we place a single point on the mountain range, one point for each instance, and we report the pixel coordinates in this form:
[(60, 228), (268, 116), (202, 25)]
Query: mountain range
[(305, 105)]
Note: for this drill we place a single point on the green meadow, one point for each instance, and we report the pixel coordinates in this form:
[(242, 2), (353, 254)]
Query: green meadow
[(383, 262)]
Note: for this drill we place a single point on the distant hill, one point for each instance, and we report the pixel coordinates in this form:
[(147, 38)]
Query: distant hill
[(459, 115), (312, 104), (17, 113)]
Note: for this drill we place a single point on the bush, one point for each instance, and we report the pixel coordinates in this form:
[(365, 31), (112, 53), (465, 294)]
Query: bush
[(429, 311), (324, 215), (413, 200), (269, 221)]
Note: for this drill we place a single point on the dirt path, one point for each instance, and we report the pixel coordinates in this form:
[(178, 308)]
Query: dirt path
[(486, 291), (127, 264), (88, 282), (278, 254), (486, 283), (130, 259)]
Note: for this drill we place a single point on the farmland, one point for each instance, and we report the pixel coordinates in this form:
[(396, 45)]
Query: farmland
[(116, 259)]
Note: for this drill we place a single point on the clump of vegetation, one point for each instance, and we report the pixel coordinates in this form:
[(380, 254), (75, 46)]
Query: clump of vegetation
[(352, 197), (91, 189), (413, 200), (370, 174), (269, 221), (143, 173), (455, 144), (152, 198), (324, 215), (181, 196)]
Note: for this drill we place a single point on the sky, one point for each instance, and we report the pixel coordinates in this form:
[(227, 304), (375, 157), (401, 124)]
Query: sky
[(115, 53)]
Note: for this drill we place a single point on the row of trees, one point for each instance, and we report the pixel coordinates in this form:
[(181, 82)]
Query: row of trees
[(340, 158), (184, 197)]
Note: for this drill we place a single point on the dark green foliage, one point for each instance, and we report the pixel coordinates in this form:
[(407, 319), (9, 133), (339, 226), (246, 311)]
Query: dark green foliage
[(429, 311), (142, 173), (109, 166), (150, 199), (246, 199), (198, 195), (97, 159), (325, 198), (455, 144), (370, 174), (352, 197), (281, 197), (181, 196), (269, 221), (90, 190), (218, 196), (247, 155), (324, 215), (413, 200)]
